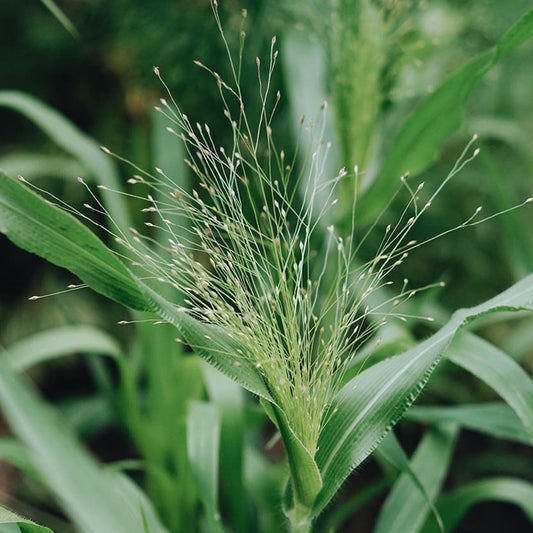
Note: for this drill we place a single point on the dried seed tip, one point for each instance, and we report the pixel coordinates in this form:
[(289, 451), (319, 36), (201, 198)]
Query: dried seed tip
[(163, 101), (274, 40), (404, 176), (476, 152), (158, 109), (478, 209), (159, 170), (427, 206), (420, 186), (278, 95), (430, 319), (257, 61), (442, 284), (236, 363), (122, 322), (178, 340), (324, 104), (105, 150), (156, 71), (87, 206), (529, 200), (33, 297), (22, 178), (80, 179), (102, 187), (475, 137)]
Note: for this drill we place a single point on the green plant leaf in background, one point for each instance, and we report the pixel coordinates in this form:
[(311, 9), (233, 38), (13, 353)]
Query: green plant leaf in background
[(452, 507), (94, 499), (497, 370), (76, 143), (365, 409), (203, 435), (12, 523), (405, 508), (59, 342), (495, 419), (436, 117)]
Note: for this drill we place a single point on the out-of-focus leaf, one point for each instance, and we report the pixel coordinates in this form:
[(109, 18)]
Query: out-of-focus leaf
[(59, 342), (497, 370), (436, 117), (31, 165), (92, 497), (77, 144), (406, 507), (495, 419), (203, 434), (366, 408), (455, 505), (12, 523), (59, 14), (229, 398)]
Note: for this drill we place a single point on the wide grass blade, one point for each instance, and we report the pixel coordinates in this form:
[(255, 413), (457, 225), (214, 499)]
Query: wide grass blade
[(494, 419), (93, 498), (436, 117), (203, 436), (406, 508), (12, 523), (230, 401), (365, 409), (42, 228), (76, 143), (59, 342), (497, 370), (455, 505)]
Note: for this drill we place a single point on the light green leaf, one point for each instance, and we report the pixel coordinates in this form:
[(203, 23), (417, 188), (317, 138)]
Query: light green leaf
[(305, 476), (497, 370), (229, 399), (436, 117), (365, 409), (32, 165), (454, 506), (42, 228), (495, 419), (90, 496), (59, 342), (406, 507), (59, 14), (12, 523), (76, 143), (203, 434)]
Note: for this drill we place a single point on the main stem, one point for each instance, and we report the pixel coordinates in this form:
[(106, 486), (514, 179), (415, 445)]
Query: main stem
[(300, 519)]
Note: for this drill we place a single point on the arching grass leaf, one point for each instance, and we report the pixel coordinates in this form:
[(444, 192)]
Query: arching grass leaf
[(455, 505), (365, 409), (43, 229), (58, 342), (406, 507), (495, 419), (92, 497), (76, 143), (497, 370), (438, 116), (12, 523)]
